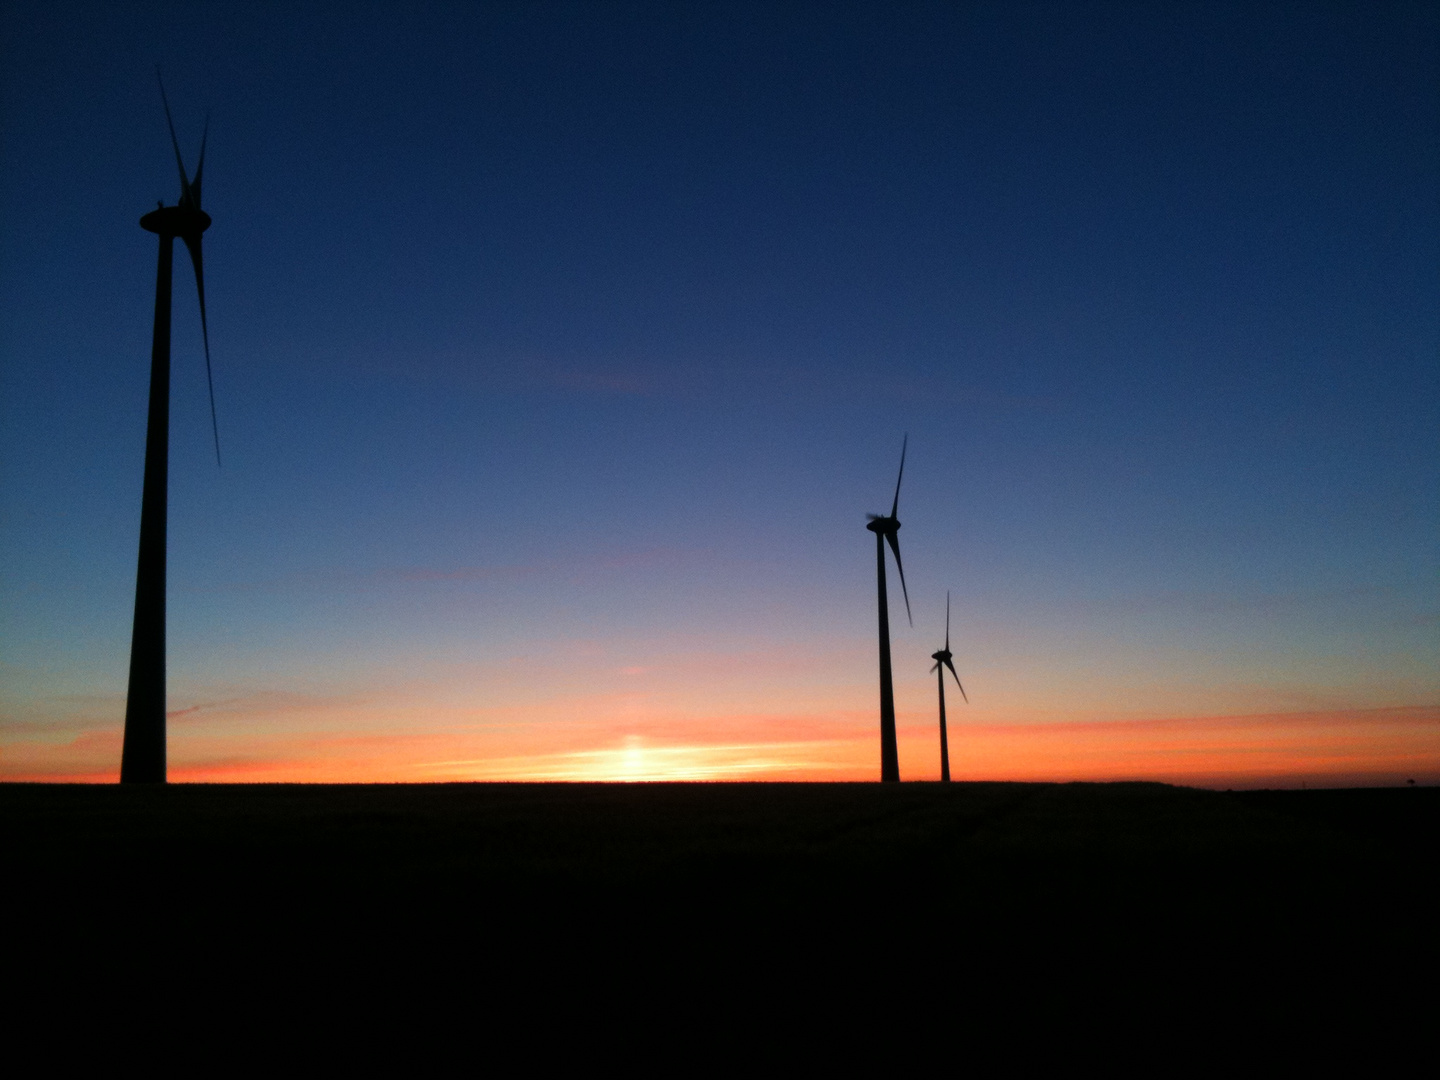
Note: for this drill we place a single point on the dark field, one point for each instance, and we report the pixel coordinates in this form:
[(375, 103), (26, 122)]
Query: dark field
[(1046, 891)]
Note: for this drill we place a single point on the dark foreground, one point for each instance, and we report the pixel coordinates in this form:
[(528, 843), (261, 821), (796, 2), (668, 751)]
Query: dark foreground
[(758, 897)]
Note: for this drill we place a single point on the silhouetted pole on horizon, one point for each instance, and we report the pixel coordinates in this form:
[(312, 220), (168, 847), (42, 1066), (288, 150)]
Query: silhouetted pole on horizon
[(142, 758), (944, 738), (142, 761), (885, 527), (889, 751)]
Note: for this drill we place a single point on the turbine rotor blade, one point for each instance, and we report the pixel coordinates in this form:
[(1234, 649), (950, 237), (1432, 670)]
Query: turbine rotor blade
[(947, 620), (957, 681), (200, 168), (179, 162), (895, 506), (197, 260), (895, 547)]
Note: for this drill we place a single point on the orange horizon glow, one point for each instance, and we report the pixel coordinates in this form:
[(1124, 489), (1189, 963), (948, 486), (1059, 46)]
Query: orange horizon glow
[(1362, 747)]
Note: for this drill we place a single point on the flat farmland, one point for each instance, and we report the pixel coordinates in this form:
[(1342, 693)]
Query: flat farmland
[(775, 884)]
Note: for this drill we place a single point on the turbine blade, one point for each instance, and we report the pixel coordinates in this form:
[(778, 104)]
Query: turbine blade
[(895, 506), (934, 667), (947, 620), (957, 681), (895, 547), (200, 168), (179, 162), (197, 259)]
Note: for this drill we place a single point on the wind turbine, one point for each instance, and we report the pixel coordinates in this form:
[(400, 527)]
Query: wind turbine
[(885, 529), (142, 759), (943, 660)]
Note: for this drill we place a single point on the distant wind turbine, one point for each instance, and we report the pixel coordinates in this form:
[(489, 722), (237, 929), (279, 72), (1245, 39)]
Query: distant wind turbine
[(143, 756), (885, 529), (943, 659)]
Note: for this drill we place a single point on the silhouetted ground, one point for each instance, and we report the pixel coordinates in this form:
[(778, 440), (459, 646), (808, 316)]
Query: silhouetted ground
[(758, 900)]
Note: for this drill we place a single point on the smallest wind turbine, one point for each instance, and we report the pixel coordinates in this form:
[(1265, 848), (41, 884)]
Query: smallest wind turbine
[(944, 659)]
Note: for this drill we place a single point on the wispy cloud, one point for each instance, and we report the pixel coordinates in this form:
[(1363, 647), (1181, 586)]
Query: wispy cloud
[(599, 380), (733, 377), (1221, 602), (209, 706), (576, 569)]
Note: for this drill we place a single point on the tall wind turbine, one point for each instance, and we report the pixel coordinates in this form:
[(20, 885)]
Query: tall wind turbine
[(943, 659), (885, 529), (143, 757)]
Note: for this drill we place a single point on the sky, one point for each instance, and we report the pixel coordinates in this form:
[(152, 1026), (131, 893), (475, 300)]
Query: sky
[(561, 349)]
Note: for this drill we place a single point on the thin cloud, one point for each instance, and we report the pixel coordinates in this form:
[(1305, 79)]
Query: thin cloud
[(574, 569), (175, 714), (1205, 603)]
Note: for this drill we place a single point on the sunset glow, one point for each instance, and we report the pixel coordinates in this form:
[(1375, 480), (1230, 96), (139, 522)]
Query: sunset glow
[(559, 353)]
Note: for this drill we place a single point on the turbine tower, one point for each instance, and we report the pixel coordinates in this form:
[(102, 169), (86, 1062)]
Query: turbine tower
[(142, 760), (885, 529), (943, 660)]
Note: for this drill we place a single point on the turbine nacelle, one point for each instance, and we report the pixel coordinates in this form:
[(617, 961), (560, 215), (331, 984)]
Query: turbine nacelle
[(883, 526), (182, 221)]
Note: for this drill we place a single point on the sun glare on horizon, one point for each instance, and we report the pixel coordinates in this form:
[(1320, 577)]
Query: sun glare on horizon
[(638, 760)]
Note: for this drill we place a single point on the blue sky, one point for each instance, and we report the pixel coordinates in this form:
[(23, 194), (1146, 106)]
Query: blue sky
[(580, 339)]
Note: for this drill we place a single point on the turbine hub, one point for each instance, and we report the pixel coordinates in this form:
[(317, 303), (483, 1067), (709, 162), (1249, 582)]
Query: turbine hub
[(941, 656), (176, 221), (883, 525)]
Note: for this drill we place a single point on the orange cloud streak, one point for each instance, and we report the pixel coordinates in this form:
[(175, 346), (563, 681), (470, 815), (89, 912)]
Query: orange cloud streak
[(1336, 748)]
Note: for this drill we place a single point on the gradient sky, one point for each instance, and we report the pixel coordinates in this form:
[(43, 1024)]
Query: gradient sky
[(560, 350)]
